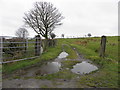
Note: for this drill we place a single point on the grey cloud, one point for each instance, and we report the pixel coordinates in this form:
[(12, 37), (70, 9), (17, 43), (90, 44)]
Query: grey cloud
[(97, 17)]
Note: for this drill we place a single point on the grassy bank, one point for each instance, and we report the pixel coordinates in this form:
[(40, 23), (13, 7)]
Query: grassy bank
[(47, 55), (107, 76), (50, 54)]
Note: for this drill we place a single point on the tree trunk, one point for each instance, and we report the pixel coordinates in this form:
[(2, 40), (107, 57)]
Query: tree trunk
[(46, 39)]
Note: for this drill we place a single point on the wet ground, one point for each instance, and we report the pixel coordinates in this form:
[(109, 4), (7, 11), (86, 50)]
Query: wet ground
[(83, 68), (18, 80)]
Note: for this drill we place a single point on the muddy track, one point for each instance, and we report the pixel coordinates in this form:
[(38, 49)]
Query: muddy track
[(24, 78)]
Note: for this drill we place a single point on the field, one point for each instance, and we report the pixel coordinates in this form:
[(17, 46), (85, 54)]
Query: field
[(105, 76)]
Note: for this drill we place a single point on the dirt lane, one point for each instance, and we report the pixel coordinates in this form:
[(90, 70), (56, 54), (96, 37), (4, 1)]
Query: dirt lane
[(25, 78)]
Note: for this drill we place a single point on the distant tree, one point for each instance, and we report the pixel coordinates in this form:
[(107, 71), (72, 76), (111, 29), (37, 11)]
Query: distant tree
[(62, 35), (52, 35), (89, 34), (22, 33), (43, 18)]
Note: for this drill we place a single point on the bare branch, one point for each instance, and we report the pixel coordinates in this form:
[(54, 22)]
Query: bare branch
[(43, 18), (22, 33)]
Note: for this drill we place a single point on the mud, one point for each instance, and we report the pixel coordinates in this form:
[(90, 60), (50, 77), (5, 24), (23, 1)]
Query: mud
[(18, 80)]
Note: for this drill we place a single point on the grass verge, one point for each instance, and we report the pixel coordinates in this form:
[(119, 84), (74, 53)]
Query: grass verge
[(107, 76), (47, 55)]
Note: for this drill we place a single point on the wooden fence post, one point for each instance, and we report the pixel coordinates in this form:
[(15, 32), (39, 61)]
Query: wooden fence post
[(37, 45), (103, 46), (26, 44)]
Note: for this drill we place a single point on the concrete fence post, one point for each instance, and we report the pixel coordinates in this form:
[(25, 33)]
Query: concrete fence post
[(37, 45), (103, 46)]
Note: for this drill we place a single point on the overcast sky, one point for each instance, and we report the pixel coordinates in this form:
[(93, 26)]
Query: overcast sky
[(98, 17)]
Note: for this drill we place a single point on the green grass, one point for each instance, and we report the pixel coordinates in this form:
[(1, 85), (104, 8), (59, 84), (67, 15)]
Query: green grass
[(0, 68), (47, 55), (44, 86), (69, 64), (106, 76), (63, 74), (19, 53), (108, 72), (71, 52), (0, 73)]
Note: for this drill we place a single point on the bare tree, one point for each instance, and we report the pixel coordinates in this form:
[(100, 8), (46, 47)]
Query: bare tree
[(52, 35), (22, 33), (62, 35), (89, 34), (43, 18)]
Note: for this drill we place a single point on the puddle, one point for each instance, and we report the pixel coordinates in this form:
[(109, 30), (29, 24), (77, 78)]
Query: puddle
[(62, 55), (50, 67), (83, 68)]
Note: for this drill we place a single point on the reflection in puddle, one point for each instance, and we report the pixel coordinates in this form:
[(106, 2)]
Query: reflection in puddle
[(63, 55), (83, 68), (50, 67)]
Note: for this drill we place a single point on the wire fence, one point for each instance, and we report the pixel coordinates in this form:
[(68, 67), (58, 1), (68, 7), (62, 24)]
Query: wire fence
[(16, 49)]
